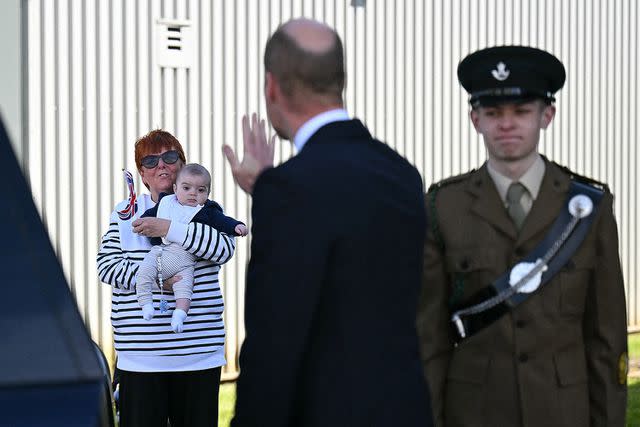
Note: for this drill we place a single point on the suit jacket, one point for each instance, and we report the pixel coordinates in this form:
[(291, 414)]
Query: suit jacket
[(332, 289), (556, 359)]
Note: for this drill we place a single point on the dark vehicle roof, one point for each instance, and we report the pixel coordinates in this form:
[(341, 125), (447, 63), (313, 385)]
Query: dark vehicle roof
[(44, 340)]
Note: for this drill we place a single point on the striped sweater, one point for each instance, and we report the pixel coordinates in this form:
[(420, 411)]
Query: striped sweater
[(151, 346)]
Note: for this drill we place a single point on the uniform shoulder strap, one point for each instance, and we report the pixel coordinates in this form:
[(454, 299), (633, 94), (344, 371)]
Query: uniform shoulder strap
[(432, 195), (451, 180), (584, 179)]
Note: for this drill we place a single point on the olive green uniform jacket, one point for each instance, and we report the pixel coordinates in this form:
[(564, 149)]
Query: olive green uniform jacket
[(557, 359)]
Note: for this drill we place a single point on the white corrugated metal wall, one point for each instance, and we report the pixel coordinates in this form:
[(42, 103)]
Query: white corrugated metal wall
[(94, 86)]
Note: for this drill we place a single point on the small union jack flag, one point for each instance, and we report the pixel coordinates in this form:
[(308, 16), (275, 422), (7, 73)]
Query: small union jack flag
[(132, 205)]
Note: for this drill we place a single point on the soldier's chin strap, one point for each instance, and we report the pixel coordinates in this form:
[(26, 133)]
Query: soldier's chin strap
[(537, 268)]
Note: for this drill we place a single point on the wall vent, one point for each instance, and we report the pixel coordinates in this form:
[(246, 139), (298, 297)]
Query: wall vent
[(174, 43)]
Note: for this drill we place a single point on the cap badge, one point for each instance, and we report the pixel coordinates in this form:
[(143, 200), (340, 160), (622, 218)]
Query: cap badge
[(500, 73)]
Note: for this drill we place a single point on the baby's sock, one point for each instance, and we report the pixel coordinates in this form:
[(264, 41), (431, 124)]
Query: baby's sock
[(177, 320), (147, 311)]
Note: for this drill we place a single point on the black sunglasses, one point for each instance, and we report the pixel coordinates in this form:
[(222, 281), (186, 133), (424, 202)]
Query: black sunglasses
[(169, 157)]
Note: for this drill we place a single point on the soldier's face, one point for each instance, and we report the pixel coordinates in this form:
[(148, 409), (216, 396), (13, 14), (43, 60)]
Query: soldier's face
[(511, 131)]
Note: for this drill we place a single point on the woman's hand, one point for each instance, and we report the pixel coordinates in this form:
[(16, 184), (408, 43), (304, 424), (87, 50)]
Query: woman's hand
[(167, 284), (151, 227)]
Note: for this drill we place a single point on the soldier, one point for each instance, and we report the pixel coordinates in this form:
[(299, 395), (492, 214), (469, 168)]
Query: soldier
[(522, 316)]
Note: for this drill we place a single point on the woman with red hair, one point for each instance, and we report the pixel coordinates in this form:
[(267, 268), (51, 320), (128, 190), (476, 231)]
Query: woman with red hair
[(163, 375)]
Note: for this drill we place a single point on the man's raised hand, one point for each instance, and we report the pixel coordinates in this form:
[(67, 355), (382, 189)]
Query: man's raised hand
[(258, 153)]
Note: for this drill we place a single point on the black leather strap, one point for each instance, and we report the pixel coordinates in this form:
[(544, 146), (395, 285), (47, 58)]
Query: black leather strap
[(475, 322)]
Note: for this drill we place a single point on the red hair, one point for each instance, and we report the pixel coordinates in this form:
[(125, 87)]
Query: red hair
[(155, 142)]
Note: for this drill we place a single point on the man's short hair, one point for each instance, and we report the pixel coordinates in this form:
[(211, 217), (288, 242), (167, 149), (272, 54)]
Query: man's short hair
[(195, 169), (296, 68)]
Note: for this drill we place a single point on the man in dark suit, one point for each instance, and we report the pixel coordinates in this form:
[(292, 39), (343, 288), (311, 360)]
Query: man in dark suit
[(330, 309), (554, 353)]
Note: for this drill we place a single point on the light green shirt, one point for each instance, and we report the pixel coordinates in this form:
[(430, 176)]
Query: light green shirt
[(532, 180)]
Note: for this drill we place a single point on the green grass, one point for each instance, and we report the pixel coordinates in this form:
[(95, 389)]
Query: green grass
[(228, 393), (633, 393), (634, 345), (633, 403), (227, 401)]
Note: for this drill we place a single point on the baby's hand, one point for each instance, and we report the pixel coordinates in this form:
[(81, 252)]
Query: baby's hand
[(241, 230)]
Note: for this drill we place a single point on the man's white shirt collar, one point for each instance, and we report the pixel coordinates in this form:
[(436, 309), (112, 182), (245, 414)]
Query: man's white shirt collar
[(310, 127)]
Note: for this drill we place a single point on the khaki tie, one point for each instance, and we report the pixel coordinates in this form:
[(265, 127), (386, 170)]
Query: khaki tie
[(514, 207)]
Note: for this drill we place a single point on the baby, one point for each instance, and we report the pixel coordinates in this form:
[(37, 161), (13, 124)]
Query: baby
[(189, 203)]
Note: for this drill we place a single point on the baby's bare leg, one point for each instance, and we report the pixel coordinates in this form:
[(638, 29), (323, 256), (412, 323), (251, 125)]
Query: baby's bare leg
[(183, 290), (183, 304)]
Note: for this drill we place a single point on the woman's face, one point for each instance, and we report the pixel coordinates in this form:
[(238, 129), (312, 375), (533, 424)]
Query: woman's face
[(160, 179)]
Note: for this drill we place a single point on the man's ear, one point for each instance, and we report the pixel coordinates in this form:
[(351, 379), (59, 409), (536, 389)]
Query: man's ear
[(548, 114), (175, 188), (270, 87), (473, 115)]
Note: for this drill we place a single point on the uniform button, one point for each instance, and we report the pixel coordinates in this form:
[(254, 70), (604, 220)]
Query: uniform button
[(520, 324), (464, 265), (523, 358)]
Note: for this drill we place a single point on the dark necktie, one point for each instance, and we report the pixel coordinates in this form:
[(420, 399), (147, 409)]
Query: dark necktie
[(514, 206)]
